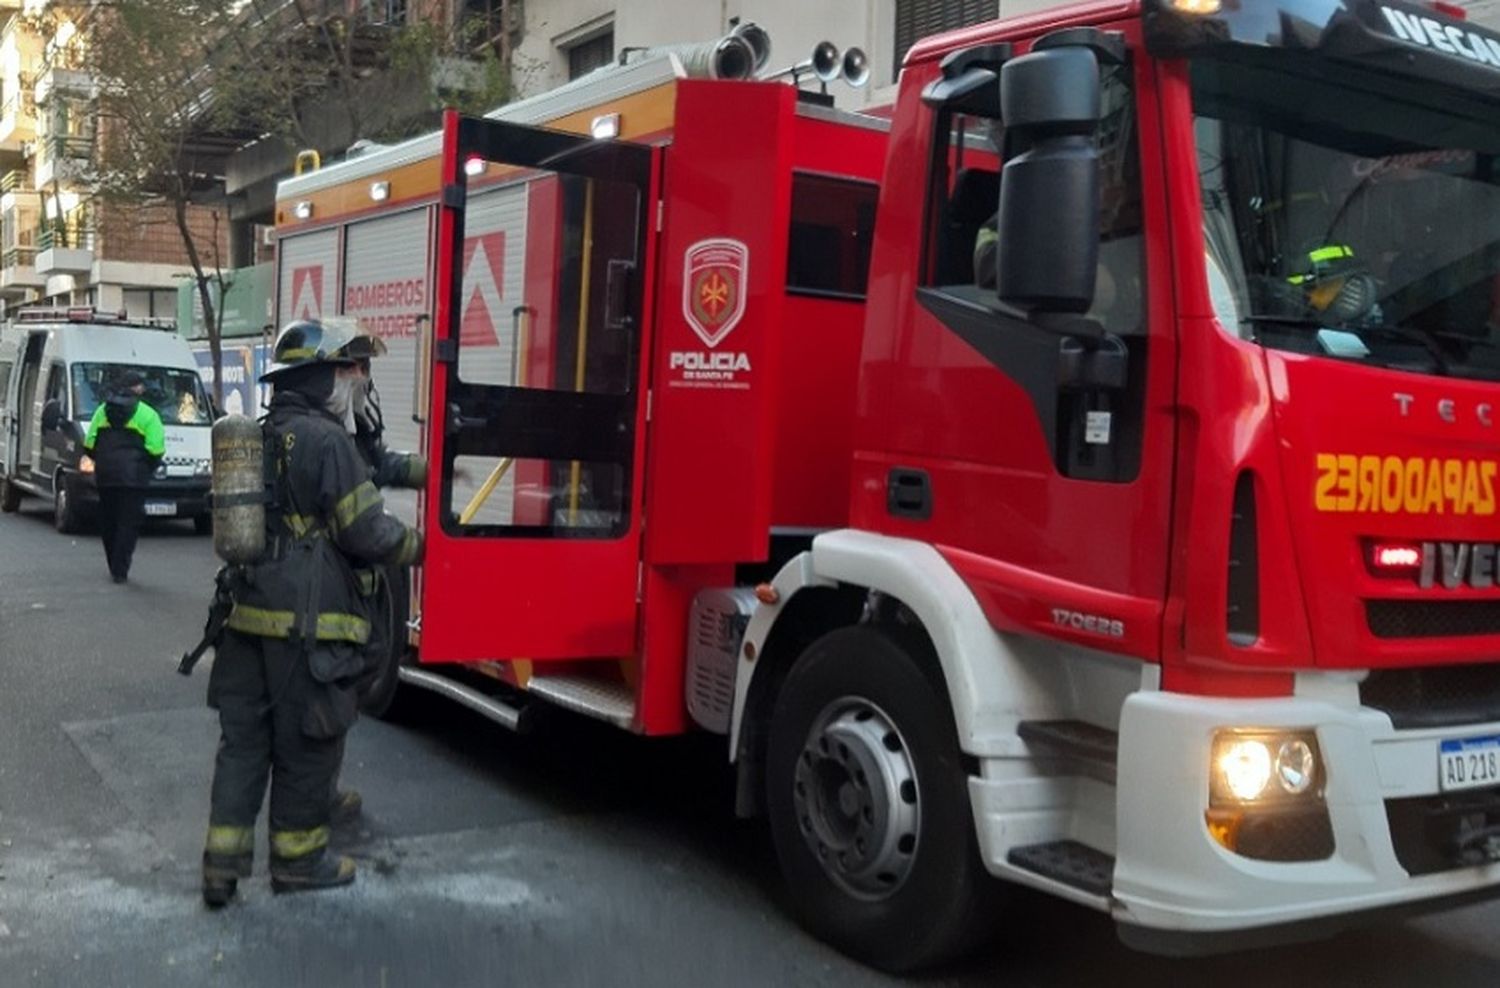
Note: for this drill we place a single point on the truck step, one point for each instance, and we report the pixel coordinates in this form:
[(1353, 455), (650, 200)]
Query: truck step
[(606, 699), (1069, 862), (1072, 738), (496, 709)]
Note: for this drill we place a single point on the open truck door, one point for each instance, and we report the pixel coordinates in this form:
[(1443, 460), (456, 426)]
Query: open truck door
[(537, 416)]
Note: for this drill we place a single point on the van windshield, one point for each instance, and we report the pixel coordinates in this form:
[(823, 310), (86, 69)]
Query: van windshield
[(176, 393)]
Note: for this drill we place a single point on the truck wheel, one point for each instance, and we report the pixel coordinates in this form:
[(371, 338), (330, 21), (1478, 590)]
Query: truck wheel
[(203, 524), (65, 514), (381, 695), (869, 805), (10, 497)]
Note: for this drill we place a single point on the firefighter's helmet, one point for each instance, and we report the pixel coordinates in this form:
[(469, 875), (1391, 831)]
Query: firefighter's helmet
[(1334, 283), (305, 343)]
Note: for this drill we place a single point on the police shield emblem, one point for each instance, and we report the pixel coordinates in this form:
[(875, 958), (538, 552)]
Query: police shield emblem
[(713, 293)]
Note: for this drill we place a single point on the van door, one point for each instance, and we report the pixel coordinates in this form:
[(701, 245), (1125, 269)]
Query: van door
[(24, 419), (7, 366), (53, 444)]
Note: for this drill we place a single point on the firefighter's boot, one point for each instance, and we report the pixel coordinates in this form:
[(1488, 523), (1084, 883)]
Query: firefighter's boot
[(348, 804), (300, 862), (228, 855)]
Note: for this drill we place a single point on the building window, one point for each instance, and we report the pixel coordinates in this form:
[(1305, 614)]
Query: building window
[(150, 303), (916, 19), (833, 225), (586, 56)]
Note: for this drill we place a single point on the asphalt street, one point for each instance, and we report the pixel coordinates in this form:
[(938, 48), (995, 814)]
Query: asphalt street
[(576, 855)]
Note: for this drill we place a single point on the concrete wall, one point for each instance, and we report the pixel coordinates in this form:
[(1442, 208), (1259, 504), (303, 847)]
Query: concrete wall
[(551, 26)]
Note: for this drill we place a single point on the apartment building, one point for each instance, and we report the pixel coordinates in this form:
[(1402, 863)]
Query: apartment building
[(56, 245)]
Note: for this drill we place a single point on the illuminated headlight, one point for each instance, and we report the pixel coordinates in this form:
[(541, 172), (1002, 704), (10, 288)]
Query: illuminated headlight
[(203, 468), (86, 464), (1264, 767)]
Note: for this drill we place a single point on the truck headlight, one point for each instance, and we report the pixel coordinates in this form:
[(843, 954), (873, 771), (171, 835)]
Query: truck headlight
[(1254, 767), (1265, 795), (203, 468)]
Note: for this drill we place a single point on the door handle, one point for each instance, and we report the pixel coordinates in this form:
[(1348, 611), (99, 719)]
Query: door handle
[(908, 493)]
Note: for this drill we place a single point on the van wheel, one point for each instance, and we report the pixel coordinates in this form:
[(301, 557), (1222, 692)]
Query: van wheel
[(65, 515), (10, 497), (869, 806), (203, 524)]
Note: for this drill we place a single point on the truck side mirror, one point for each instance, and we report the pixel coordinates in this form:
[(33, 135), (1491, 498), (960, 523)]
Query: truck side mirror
[(1048, 221), (51, 415)]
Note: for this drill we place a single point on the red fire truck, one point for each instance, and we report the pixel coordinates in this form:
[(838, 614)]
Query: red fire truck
[(1105, 505)]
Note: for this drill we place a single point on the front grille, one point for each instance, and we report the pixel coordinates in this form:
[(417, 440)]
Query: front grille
[(1440, 696), (1441, 833), (1432, 618)]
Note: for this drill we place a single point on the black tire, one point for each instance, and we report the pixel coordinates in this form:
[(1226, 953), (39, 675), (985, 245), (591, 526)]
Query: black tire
[(935, 909), (380, 696), (66, 515), (203, 524), (10, 497)]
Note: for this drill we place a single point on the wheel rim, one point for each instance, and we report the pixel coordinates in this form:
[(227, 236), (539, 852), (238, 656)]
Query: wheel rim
[(62, 505), (857, 799)]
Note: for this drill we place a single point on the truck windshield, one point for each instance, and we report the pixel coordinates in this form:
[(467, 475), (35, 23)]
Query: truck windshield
[(1348, 225), (176, 393)]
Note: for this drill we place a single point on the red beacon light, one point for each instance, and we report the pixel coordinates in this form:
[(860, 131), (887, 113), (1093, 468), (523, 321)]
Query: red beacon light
[(1395, 558), (1452, 10)]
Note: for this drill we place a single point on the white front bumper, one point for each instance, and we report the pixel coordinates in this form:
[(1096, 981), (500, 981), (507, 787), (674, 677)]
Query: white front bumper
[(1171, 875)]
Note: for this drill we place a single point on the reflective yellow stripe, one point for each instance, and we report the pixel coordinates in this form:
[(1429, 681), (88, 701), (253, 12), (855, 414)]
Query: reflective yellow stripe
[(260, 622), (298, 843), (354, 504), (343, 627), (300, 353), (300, 525), (230, 840), (411, 549), (332, 626), (1335, 253)]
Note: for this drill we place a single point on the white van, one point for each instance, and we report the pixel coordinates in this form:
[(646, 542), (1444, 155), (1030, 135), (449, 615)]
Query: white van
[(56, 366)]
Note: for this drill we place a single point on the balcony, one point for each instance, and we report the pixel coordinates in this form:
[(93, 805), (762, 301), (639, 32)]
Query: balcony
[(63, 159), (18, 274), (65, 77), (17, 121), (63, 255), (16, 190)]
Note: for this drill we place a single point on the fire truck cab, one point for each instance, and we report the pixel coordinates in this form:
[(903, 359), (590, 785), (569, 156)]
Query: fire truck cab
[(1125, 530)]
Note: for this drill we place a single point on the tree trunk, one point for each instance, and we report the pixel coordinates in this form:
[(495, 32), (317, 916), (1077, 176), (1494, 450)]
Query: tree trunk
[(211, 315)]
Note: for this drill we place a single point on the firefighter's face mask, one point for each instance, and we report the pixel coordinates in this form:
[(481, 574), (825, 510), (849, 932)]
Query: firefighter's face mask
[(1343, 299), (345, 382)]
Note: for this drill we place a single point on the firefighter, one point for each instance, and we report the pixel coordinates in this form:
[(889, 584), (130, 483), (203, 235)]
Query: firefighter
[(1333, 286), (388, 468), (284, 672)]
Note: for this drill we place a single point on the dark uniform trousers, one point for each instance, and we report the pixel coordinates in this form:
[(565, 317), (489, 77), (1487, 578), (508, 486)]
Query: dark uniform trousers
[(122, 510), (267, 700)]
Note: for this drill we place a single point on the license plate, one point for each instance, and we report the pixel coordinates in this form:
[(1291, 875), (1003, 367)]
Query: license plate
[(161, 508), (1469, 763)]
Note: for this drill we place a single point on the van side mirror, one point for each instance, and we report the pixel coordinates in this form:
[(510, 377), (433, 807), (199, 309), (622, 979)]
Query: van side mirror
[(1048, 220), (51, 415)]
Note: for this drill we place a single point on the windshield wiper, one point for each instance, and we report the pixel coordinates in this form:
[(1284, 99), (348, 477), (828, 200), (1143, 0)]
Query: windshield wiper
[(1380, 329)]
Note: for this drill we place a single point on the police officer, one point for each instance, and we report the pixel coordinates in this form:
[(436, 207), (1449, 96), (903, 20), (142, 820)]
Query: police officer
[(126, 440), (283, 677)]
